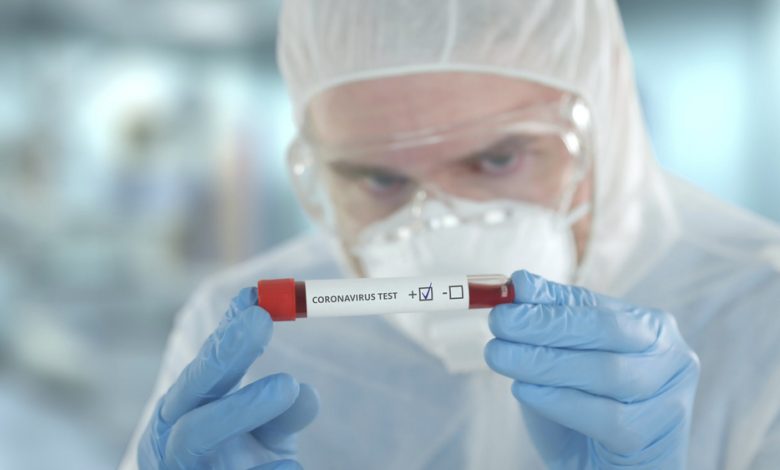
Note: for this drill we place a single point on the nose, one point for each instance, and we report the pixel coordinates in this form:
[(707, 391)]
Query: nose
[(455, 182)]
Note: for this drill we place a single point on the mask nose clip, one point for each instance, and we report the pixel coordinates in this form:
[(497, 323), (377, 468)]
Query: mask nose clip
[(418, 203), (433, 209)]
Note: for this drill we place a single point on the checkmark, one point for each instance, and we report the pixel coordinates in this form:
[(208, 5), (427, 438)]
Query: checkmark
[(426, 293)]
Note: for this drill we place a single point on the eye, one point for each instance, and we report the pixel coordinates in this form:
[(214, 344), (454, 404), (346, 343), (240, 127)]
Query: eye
[(383, 183), (496, 164), (375, 180)]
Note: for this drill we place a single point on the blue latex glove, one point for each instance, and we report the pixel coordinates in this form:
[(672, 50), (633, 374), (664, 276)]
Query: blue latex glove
[(603, 384), (203, 422)]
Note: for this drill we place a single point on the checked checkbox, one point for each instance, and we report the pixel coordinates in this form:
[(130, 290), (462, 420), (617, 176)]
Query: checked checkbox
[(426, 293)]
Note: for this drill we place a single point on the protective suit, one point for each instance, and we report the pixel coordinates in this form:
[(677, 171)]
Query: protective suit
[(387, 400)]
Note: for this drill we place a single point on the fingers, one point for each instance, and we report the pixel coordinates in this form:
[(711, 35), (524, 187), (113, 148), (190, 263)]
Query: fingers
[(584, 328), (276, 434), (533, 289), (624, 356), (621, 428), (223, 359), (627, 378), (201, 430)]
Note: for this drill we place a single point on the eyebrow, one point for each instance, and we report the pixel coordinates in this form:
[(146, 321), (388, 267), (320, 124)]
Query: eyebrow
[(354, 169), (350, 169)]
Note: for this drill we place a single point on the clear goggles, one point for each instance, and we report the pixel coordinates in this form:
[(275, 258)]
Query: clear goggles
[(536, 155)]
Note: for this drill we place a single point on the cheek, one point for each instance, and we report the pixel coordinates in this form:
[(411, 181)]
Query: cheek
[(355, 209)]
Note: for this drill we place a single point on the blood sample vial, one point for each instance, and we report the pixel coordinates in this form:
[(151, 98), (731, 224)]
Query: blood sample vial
[(288, 299)]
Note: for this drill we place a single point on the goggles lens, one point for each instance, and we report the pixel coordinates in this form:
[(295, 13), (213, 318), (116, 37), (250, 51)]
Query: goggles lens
[(535, 155)]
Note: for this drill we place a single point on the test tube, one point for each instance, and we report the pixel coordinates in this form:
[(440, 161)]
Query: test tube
[(288, 299)]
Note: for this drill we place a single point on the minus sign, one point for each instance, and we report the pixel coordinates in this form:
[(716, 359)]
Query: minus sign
[(444, 293)]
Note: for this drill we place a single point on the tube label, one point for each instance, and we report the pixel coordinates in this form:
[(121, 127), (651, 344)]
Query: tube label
[(373, 296)]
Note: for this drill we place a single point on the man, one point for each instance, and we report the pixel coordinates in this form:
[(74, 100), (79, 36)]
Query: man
[(480, 137)]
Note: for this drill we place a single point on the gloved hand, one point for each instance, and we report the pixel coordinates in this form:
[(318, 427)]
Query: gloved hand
[(202, 422), (603, 384)]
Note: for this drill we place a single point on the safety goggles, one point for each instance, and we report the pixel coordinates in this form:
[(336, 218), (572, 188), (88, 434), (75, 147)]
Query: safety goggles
[(535, 155)]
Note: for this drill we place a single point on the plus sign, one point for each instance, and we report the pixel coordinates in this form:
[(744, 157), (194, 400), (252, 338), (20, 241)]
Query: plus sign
[(413, 295)]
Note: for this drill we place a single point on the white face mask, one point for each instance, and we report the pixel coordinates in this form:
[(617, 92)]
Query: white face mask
[(508, 236)]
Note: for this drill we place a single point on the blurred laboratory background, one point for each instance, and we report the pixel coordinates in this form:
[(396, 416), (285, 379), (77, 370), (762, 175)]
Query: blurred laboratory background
[(142, 148)]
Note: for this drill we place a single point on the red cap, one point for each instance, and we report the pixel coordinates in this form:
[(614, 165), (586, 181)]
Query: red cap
[(277, 297)]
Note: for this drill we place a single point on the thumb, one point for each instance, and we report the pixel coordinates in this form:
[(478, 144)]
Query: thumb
[(276, 435)]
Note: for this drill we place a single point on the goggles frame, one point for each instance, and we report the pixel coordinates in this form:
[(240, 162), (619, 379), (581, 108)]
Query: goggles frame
[(568, 117)]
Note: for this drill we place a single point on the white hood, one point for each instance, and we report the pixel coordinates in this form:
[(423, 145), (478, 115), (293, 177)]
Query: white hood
[(571, 45)]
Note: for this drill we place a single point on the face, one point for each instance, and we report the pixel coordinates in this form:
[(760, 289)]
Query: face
[(488, 163)]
